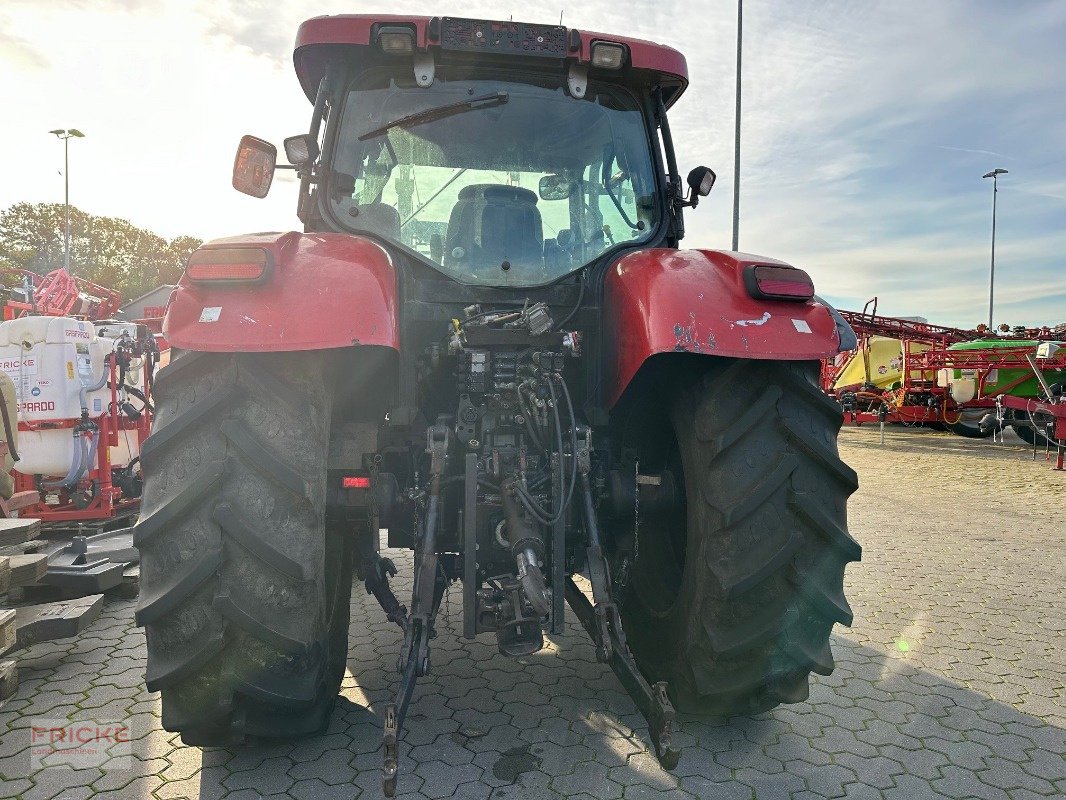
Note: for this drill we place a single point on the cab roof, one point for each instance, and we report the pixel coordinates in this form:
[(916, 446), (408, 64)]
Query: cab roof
[(319, 36)]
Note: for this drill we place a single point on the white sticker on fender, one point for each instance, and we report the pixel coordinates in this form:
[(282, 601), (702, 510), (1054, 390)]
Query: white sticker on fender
[(801, 325), (210, 314)]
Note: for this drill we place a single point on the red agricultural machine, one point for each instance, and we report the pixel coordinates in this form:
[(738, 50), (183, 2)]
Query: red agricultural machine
[(970, 382), (60, 294), (487, 341), (881, 380), (83, 388)]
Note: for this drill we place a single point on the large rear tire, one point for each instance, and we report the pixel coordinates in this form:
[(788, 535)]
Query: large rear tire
[(734, 593), (244, 596)]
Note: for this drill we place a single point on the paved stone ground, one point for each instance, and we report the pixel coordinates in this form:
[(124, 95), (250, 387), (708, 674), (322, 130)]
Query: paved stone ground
[(950, 684)]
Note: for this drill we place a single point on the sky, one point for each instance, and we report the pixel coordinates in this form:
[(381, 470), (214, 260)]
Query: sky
[(866, 128)]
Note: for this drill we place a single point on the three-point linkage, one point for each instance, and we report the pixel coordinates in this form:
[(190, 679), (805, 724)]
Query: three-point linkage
[(432, 573), (604, 625), (429, 585)]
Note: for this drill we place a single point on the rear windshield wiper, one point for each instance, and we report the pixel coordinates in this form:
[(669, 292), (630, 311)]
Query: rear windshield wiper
[(431, 114)]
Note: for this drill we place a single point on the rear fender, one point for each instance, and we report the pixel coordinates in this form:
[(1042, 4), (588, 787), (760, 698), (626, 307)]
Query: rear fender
[(322, 290), (695, 301)]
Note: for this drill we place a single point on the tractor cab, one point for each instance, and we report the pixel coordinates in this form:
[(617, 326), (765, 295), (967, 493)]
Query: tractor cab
[(497, 153)]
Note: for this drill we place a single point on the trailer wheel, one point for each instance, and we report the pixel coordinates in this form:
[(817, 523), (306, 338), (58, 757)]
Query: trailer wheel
[(244, 592), (1031, 436), (735, 589), (968, 424)]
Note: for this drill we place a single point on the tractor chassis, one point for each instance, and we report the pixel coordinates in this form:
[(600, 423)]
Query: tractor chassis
[(434, 573)]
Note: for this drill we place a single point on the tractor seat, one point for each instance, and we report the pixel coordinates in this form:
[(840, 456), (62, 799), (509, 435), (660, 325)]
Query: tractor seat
[(492, 223)]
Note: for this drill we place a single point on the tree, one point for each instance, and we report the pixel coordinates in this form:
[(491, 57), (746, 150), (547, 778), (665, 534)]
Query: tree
[(106, 250)]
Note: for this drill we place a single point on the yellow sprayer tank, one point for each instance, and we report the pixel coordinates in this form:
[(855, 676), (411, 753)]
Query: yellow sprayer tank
[(878, 361)]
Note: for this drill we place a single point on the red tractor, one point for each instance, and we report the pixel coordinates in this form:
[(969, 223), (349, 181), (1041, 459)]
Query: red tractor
[(488, 342)]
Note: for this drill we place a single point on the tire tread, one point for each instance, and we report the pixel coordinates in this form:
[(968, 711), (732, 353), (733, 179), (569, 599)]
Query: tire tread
[(753, 619), (237, 628)]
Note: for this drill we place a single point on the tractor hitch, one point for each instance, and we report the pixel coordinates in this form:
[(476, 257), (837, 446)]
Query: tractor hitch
[(651, 700), (431, 579), (604, 625)]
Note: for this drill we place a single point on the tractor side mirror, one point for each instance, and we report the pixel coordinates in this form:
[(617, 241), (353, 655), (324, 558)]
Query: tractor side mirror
[(555, 187), (253, 168)]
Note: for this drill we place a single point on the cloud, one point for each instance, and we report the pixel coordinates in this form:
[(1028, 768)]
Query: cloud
[(970, 150), (263, 27), (844, 170), (18, 52)]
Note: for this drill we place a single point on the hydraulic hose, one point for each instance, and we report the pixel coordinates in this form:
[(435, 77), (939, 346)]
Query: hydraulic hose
[(76, 463), (527, 411), (84, 454), (577, 306), (542, 515), (140, 396), (92, 449), (573, 440)]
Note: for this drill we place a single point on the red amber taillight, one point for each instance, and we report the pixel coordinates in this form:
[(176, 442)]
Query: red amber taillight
[(778, 283), (230, 264)]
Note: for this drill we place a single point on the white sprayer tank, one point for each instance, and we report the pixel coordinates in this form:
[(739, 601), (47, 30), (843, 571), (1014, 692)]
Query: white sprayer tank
[(50, 359)]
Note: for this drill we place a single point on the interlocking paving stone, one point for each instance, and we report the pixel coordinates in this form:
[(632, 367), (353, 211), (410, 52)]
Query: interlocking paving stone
[(950, 684)]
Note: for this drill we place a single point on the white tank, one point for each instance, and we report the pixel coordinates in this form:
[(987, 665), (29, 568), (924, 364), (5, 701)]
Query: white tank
[(50, 359)]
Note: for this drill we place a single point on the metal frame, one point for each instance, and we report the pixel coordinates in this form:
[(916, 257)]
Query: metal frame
[(108, 500)]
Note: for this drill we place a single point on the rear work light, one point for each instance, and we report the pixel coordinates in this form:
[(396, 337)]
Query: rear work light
[(397, 40), (608, 55), (229, 265), (355, 482), (778, 283)]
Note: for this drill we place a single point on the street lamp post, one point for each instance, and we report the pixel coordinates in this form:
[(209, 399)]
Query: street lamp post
[(994, 175), (736, 133), (65, 135)]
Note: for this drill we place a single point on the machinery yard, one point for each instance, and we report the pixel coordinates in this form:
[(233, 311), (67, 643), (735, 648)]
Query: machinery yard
[(949, 684), (492, 467)]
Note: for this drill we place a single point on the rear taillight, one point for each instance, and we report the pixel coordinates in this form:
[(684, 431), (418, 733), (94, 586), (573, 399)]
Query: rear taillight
[(229, 265), (355, 482), (778, 283)]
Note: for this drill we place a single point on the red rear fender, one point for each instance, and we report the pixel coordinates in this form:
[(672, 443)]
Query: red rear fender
[(695, 301), (322, 290)]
